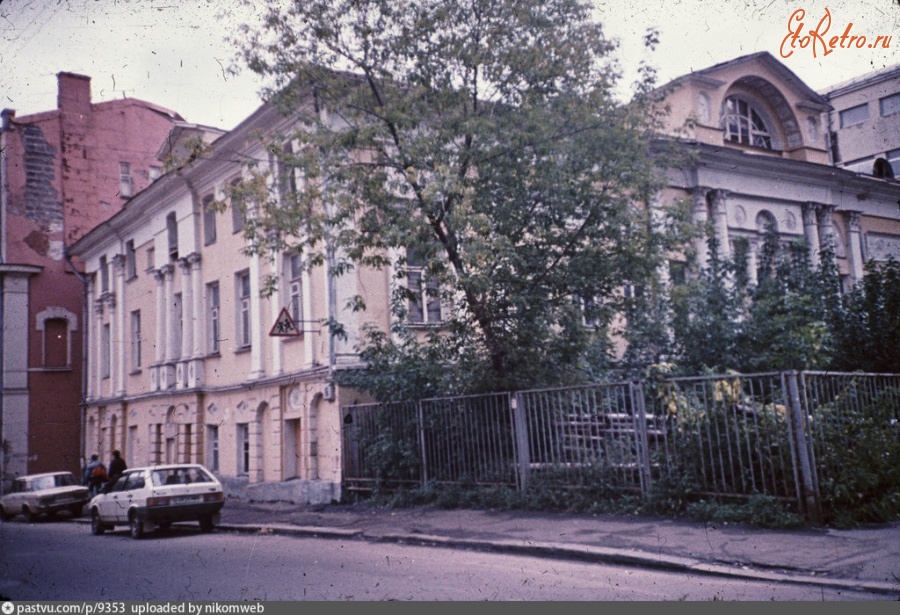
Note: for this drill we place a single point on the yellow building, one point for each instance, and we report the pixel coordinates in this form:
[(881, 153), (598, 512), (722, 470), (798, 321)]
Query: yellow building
[(760, 137), (183, 364)]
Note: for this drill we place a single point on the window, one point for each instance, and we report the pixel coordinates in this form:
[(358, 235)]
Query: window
[(130, 260), (154, 173), (287, 180), (238, 214), (212, 447), (890, 104), (744, 125), (56, 342), (104, 275), (212, 307), (177, 322), (294, 287), (172, 235), (209, 221), (104, 351), (243, 448), (243, 303), (425, 302), (125, 188), (135, 340), (151, 258), (854, 115)]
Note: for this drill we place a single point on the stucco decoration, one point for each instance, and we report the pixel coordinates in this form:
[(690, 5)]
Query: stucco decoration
[(295, 398), (790, 221), (740, 215), (882, 247), (703, 107)]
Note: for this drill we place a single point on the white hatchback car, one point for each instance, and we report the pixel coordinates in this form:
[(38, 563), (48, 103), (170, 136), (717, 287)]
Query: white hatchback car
[(155, 497), (43, 494)]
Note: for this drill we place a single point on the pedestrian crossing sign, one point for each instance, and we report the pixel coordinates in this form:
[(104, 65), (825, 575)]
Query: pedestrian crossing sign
[(284, 326)]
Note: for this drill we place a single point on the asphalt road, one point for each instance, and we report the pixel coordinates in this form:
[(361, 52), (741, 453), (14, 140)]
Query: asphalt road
[(61, 560)]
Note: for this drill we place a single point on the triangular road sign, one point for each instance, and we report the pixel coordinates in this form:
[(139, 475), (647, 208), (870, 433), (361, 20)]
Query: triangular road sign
[(284, 326)]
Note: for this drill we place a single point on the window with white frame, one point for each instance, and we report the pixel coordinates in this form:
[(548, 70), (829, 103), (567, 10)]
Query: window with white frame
[(294, 287), (172, 236), (212, 313), (135, 340), (104, 351), (238, 211), (125, 186), (424, 305), (242, 288), (890, 104), (243, 448), (212, 447), (151, 258), (130, 260), (209, 220), (854, 115), (287, 179), (103, 269), (744, 124), (177, 322)]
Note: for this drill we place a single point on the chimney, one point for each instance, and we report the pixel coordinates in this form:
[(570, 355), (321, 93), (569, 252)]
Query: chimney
[(74, 93)]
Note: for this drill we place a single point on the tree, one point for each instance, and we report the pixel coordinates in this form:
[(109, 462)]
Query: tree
[(867, 329), (484, 137)]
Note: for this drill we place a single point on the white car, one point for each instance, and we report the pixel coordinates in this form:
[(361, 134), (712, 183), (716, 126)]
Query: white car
[(154, 497), (33, 495)]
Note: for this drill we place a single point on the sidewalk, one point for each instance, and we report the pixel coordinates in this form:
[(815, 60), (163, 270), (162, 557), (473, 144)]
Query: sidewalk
[(864, 558)]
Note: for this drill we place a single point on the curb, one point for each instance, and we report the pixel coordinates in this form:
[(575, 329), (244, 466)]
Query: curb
[(574, 552)]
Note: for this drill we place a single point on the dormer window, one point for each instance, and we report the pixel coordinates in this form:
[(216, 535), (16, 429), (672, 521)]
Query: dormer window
[(743, 124)]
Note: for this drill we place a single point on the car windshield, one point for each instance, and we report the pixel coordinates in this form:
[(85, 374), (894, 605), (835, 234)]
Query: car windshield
[(181, 476), (42, 482)]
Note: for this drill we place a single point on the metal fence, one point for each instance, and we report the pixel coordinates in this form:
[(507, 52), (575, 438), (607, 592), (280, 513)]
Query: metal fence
[(729, 435)]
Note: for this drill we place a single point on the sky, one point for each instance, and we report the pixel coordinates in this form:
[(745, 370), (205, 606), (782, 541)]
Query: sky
[(173, 52)]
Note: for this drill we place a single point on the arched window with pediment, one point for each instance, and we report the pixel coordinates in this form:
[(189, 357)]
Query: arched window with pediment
[(745, 123)]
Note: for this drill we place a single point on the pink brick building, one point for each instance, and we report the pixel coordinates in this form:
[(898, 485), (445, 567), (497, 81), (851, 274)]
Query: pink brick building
[(62, 172)]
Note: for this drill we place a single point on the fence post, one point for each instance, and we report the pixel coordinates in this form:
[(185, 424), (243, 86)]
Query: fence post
[(420, 420), (801, 443), (643, 441), (522, 452)]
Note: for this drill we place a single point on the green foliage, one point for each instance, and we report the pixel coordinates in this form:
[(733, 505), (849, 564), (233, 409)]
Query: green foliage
[(787, 321), (867, 327), (484, 138), (858, 457), (759, 510)]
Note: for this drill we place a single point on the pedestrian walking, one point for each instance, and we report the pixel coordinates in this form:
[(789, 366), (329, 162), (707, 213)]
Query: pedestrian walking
[(117, 465), (95, 475)]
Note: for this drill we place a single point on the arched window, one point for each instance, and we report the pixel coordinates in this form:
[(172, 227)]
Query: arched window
[(743, 124)]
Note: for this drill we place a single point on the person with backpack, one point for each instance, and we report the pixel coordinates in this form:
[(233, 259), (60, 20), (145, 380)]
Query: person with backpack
[(95, 475)]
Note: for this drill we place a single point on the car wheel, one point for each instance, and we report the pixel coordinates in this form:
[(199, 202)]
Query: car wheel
[(97, 527), (76, 510), (207, 523), (30, 515), (4, 516), (136, 526)]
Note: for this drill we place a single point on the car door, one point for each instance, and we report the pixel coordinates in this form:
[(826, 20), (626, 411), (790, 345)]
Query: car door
[(111, 502), (133, 493)]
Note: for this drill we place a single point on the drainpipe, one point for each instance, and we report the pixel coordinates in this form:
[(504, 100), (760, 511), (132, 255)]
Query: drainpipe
[(7, 117), (85, 318)]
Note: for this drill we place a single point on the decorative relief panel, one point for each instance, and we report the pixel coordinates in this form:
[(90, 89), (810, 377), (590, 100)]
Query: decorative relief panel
[(880, 247)]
